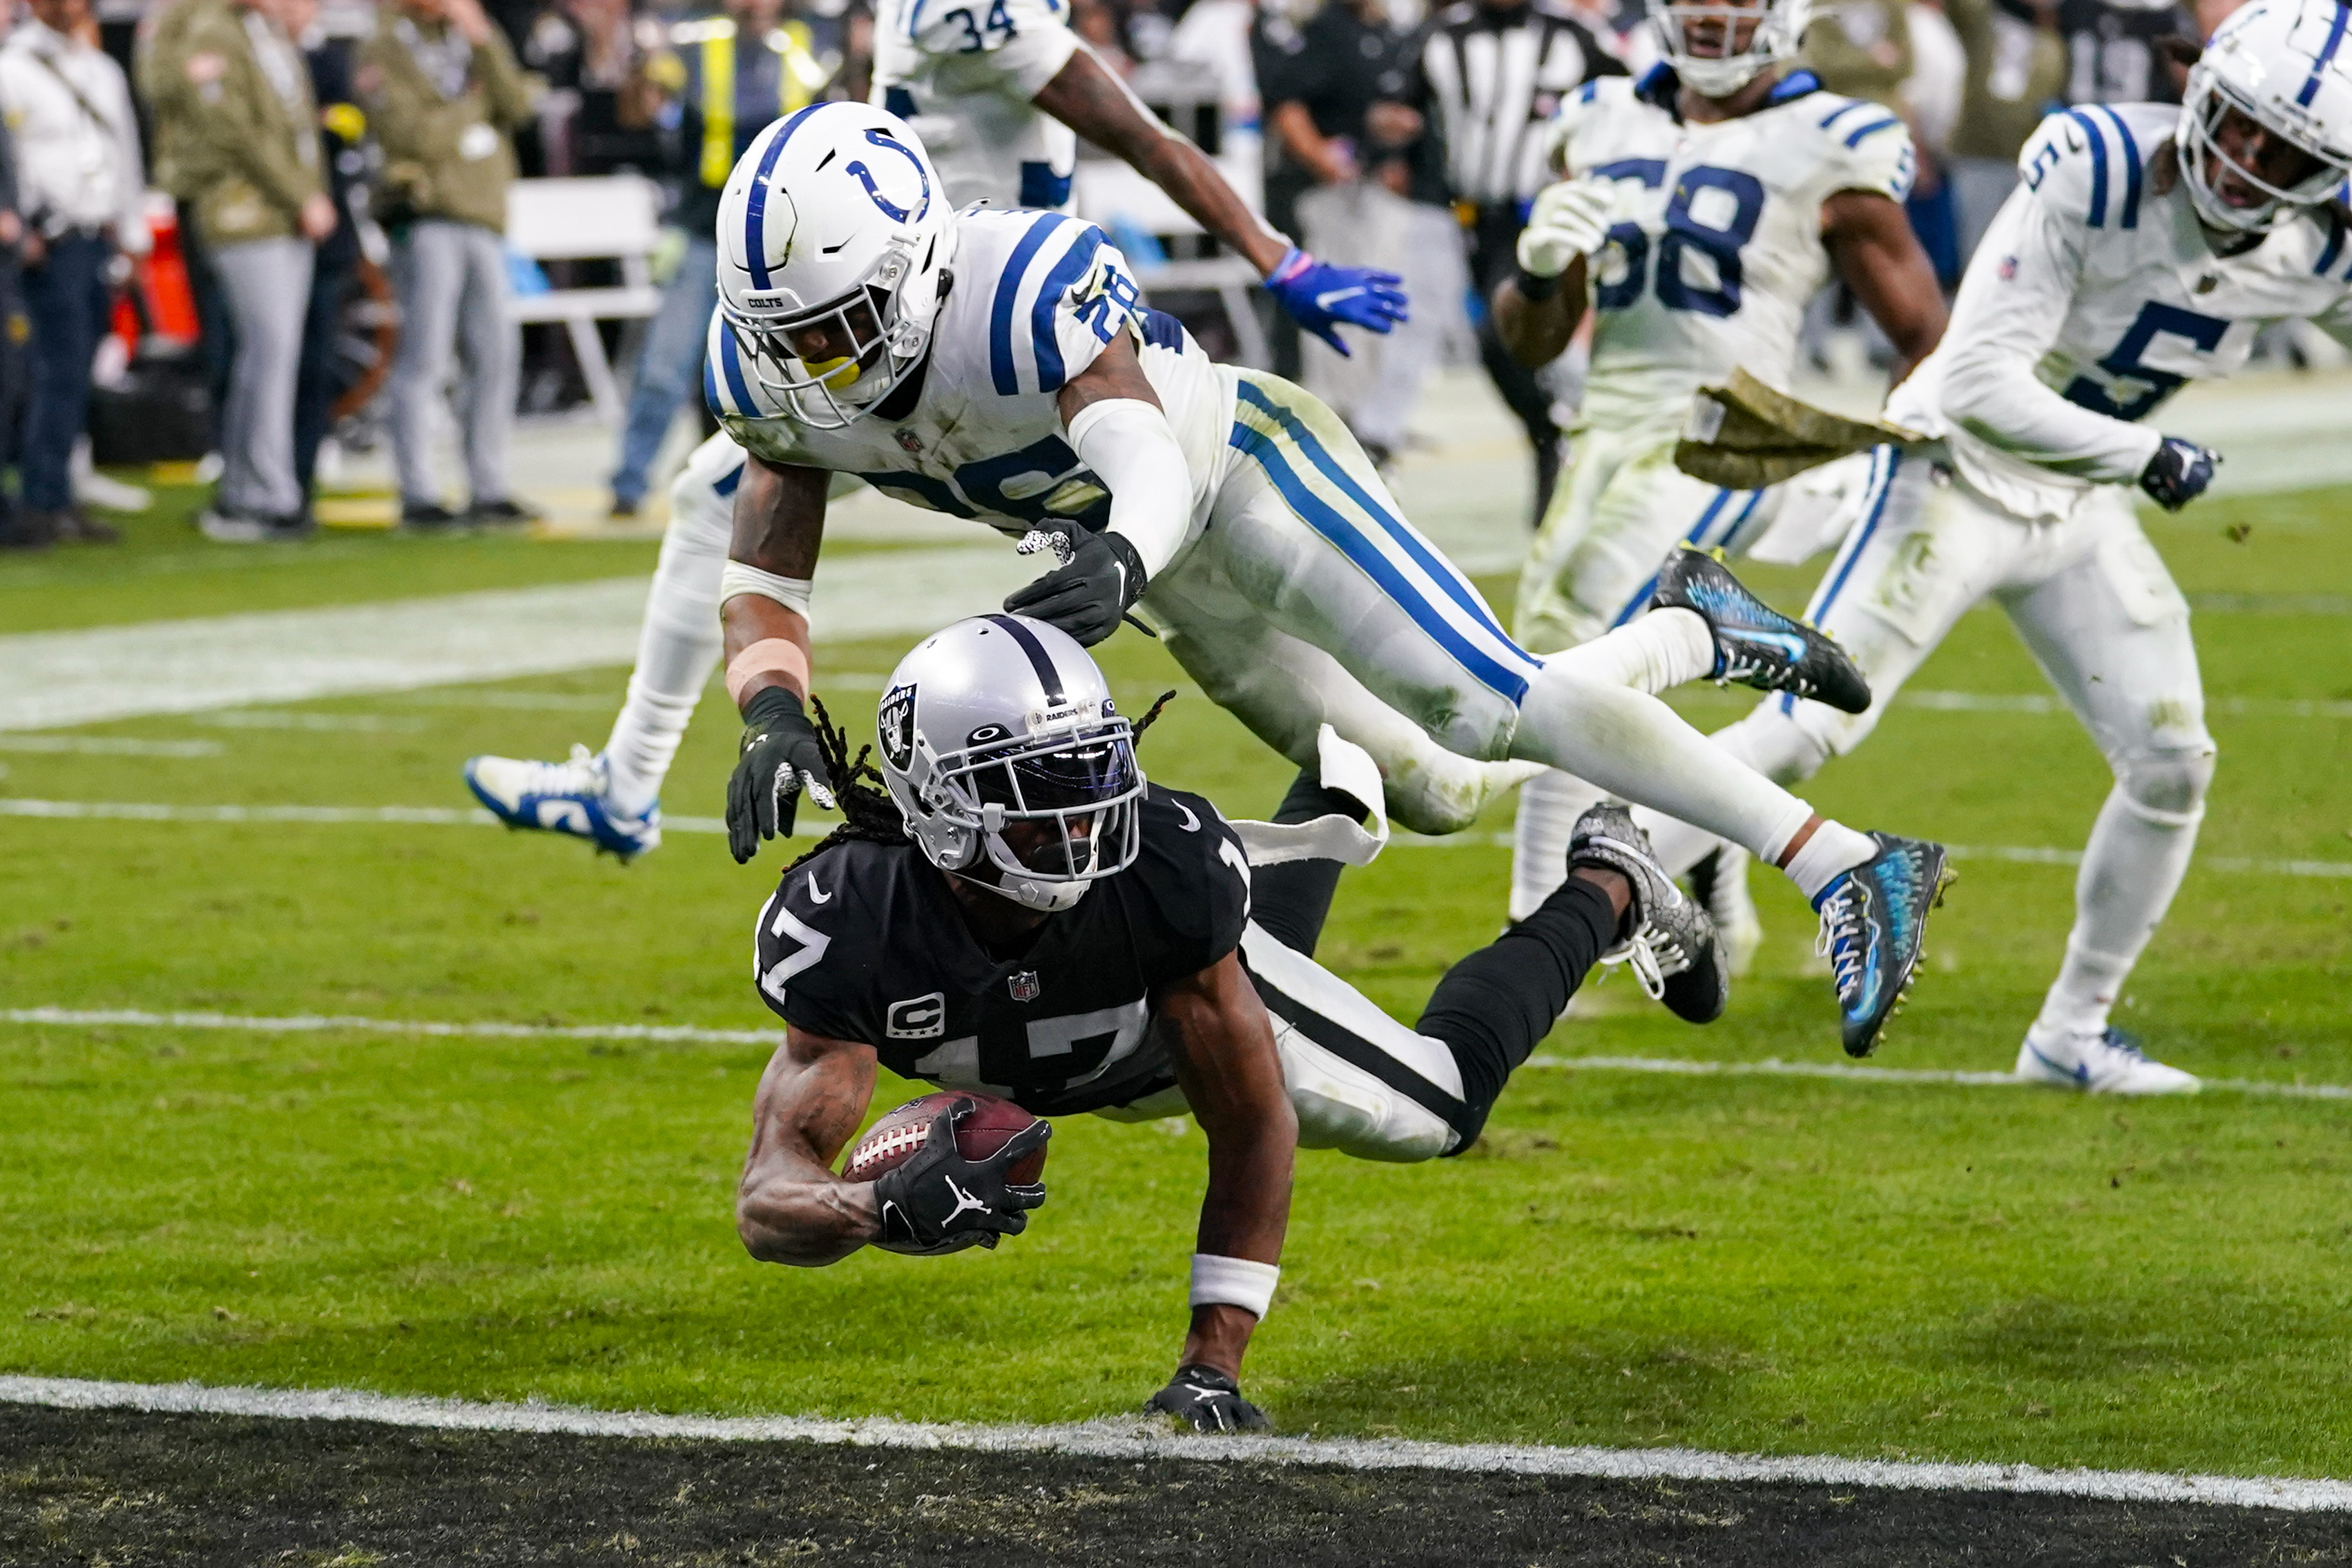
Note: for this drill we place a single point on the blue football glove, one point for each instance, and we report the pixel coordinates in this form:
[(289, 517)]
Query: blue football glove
[(2178, 473), (1319, 297)]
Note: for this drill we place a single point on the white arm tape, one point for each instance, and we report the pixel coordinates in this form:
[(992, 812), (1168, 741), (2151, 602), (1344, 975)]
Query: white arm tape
[(1233, 1282), (1132, 449), (791, 592)]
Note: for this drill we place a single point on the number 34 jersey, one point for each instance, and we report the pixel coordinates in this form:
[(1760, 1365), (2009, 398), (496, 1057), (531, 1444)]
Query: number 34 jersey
[(1036, 297), (865, 944), (1717, 244)]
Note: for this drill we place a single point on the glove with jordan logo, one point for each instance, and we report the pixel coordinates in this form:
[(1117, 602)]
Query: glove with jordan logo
[(938, 1201), (780, 758), (1568, 220), (1098, 580), (2178, 473), (1210, 1400), (1319, 295)]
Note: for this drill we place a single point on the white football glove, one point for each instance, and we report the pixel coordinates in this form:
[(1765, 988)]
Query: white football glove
[(1569, 219)]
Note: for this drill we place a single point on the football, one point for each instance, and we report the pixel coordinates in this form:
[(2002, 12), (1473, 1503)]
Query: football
[(889, 1143)]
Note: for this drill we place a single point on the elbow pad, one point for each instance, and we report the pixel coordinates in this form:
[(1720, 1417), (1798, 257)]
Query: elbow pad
[(1132, 449)]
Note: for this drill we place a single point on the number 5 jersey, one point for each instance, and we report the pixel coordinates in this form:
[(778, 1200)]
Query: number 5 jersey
[(1716, 245)]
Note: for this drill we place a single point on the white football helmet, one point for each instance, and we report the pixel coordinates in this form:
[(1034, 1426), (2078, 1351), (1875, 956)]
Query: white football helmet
[(1001, 720), (1777, 35), (835, 235), (2285, 65)]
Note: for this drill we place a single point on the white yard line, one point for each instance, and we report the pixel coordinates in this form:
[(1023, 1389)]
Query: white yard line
[(290, 655), (107, 746), (1136, 1439), (689, 1034)]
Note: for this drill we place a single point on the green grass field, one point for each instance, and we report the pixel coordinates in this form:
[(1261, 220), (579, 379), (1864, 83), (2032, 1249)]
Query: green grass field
[(1775, 1264)]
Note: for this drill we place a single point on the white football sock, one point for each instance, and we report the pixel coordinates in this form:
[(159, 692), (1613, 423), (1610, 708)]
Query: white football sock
[(1640, 751), (1768, 741), (1549, 804), (1832, 849), (1663, 650), (677, 647), (2131, 868)]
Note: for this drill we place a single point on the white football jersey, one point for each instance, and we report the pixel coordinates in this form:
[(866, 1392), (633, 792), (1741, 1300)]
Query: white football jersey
[(962, 73), (1716, 246), (2095, 296), (1036, 296)]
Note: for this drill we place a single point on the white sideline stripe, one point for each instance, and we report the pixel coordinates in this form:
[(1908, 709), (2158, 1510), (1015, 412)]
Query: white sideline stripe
[(107, 746), (451, 816), (86, 676), (322, 1023), (1136, 1439), (2031, 702)]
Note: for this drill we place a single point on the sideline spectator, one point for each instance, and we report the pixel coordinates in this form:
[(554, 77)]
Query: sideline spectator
[(1493, 73), (158, 70), (14, 329), (247, 148), (82, 193), (731, 77), (2111, 49), (2016, 66), (445, 95), (321, 379)]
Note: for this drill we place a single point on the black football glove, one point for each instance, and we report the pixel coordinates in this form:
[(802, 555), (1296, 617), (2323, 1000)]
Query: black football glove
[(2178, 473), (940, 1202), (1210, 1400), (1099, 579), (781, 758)]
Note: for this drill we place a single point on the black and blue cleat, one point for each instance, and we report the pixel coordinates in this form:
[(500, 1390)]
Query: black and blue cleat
[(1755, 645), (1873, 918)]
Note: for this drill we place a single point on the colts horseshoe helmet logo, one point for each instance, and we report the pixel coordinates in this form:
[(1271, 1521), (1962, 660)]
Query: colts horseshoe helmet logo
[(891, 210)]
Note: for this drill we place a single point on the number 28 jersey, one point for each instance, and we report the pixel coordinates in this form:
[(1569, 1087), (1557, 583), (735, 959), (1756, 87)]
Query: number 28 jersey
[(1036, 297), (1716, 246)]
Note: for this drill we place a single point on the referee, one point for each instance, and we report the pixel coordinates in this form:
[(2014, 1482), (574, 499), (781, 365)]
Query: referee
[(1492, 73)]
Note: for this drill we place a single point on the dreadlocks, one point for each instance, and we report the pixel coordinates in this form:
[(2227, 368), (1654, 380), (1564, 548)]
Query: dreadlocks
[(869, 814)]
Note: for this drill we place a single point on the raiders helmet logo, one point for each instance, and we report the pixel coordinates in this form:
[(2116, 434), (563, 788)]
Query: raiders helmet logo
[(894, 725)]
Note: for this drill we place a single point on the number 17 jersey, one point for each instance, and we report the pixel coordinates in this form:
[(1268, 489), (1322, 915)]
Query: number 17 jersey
[(1715, 247)]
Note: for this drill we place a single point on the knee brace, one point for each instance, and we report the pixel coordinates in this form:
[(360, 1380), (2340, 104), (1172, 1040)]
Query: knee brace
[(2167, 784)]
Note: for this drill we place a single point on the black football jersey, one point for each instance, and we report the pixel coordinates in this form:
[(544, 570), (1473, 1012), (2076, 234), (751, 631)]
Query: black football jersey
[(866, 943)]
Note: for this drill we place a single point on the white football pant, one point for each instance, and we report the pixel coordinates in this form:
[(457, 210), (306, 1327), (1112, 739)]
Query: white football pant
[(2092, 600)]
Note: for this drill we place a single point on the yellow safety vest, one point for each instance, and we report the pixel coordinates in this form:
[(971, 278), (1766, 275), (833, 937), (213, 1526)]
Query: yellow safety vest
[(798, 81)]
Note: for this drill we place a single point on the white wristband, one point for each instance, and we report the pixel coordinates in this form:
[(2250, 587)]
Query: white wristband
[(1233, 1282), (1132, 448), (791, 592)]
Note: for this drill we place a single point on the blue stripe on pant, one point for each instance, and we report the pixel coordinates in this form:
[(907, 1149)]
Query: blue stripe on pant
[(1707, 533)]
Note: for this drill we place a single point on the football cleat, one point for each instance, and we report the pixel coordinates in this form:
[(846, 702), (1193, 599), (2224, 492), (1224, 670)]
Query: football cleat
[(1755, 645), (1208, 1401), (1873, 918), (1719, 882), (1671, 943), (572, 797), (2108, 1062)]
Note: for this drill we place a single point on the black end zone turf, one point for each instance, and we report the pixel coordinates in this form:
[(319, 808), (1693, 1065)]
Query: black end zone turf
[(119, 1486)]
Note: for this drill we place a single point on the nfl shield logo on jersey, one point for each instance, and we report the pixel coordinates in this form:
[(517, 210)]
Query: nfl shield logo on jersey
[(1024, 986)]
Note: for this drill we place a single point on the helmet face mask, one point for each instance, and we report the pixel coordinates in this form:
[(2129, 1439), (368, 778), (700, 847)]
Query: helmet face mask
[(1027, 788), (2263, 131), (1719, 48)]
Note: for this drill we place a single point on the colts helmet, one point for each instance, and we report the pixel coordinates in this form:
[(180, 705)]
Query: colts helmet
[(1004, 723), (835, 235), (2288, 66), (1777, 35)]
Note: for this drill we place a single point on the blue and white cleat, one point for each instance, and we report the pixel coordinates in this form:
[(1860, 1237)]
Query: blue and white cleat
[(2108, 1062), (1873, 920), (571, 797), (1755, 645)]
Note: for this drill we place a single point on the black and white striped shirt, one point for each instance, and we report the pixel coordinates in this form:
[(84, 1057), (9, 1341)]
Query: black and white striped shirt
[(1491, 75)]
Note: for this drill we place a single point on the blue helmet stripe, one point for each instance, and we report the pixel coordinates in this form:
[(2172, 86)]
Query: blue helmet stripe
[(755, 204), (2326, 56)]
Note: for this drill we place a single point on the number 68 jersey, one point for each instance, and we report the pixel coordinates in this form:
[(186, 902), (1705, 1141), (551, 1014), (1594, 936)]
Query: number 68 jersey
[(1716, 246)]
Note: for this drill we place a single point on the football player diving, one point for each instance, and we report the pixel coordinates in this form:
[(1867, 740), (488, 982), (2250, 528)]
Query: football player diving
[(999, 94), (2147, 246), (1024, 915), (1699, 209), (1000, 365)]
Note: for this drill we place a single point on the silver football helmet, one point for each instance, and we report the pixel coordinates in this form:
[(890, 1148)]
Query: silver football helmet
[(1000, 745)]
